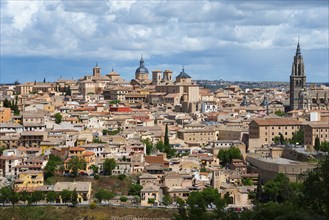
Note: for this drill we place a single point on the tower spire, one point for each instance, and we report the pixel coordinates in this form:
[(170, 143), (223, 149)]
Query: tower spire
[(141, 62), (298, 48)]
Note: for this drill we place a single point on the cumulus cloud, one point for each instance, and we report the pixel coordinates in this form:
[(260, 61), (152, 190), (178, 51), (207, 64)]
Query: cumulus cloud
[(201, 34)]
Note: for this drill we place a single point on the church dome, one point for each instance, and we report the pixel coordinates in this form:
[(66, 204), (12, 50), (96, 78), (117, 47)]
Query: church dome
[(183, 75), (141, 69)]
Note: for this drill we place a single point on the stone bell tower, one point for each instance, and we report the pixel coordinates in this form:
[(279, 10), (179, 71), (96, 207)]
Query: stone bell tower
[(297, 79)]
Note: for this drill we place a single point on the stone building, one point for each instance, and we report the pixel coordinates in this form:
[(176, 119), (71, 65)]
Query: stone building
[(183, 93), (268, 167), (297, 79), (300, 96), (316, 129), (263, 130)]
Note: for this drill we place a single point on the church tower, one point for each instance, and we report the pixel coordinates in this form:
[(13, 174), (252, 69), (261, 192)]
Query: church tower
[(297, 79), (97, 71)]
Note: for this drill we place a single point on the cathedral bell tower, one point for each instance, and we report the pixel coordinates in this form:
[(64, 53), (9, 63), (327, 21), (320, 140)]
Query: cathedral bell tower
[(297, 79)]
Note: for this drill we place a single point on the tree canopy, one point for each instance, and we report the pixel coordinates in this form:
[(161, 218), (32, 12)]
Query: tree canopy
[(149, 145), (226, 155), (52, 165), (317, 143), (298, 137), (58, 118), (75, 164), (108, 166)]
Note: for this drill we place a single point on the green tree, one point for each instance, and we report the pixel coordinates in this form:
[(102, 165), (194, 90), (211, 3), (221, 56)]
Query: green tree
[(109, 195), (75, 164), (135, 189), (298, 137), (37, 196), (166, 136), (151, 201), (197, 206), (166, 200), (113, 102), (315, 193), (317, 144), (210, 195), (324, 146), (101, 195), (6, 103), (9, 194), (74, 197), (280, 113), (94, 168), (65, 195), (274, 210), (276, 140), (51, 196), (160, 146), (279, 189), (227, 198), (5, 194), (52, 165), (24, 196), (122, 177), (282, 140), (247, 182), (171, 152), (2, 148), (226, 155), (58, 118), (108, 166), (165, 149), (123, 199), (149, 145), (182, 215)]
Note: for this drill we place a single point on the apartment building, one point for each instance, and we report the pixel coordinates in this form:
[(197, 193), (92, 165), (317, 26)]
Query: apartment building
[(8, 165), (5, 115), (197, 136), (316, 129), (263, 130)]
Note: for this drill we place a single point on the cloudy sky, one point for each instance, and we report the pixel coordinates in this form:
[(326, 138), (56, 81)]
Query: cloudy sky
[(230, 40)]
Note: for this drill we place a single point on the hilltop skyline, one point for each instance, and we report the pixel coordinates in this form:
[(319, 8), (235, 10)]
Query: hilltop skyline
[(236, 40)]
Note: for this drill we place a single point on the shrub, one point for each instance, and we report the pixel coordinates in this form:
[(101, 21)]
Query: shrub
[(121, 177), (92, 205)]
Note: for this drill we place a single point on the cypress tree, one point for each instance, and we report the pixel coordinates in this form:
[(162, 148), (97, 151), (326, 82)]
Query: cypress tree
[(317, 144), (166, 137), (6, 103)]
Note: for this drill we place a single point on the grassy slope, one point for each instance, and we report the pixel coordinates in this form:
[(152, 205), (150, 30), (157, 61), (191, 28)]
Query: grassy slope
[(73, 213), (105, 182)]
